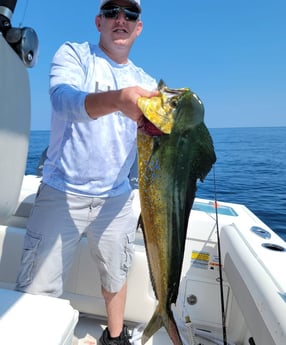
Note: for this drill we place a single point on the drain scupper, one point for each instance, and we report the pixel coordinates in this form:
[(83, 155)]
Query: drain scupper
[(274, 247)]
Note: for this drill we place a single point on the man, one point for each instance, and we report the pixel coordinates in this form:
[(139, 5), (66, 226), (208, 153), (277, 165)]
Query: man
[(85, 187)]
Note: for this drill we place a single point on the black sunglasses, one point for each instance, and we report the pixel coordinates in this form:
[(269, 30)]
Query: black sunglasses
[(113, 13)]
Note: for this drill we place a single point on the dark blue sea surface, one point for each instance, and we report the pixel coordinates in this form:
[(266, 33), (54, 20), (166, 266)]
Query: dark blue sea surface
[(250, 170)]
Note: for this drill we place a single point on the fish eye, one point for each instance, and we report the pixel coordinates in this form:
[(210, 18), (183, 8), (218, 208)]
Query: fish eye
[(173, 103)]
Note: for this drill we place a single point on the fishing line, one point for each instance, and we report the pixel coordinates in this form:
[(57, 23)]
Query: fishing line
[(220, 264), (24, 13)]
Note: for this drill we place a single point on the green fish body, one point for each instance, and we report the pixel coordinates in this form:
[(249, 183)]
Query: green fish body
[(170, 163)]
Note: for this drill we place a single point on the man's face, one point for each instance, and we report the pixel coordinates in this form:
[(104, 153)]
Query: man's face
[(119, 31)]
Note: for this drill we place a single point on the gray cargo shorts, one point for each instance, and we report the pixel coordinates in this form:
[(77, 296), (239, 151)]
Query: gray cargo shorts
[(55, 226)]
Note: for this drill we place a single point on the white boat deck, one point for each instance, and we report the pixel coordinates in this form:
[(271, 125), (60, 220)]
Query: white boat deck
[(89, 330)]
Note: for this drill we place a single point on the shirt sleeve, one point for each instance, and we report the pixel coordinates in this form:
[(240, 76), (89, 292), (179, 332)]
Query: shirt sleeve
[(67, 91)]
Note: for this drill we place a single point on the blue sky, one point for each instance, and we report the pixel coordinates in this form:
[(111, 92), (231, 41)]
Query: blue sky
[(231, 53)]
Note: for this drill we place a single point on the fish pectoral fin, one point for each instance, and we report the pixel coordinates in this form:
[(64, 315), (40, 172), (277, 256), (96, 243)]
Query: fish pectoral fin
[(153, 326)]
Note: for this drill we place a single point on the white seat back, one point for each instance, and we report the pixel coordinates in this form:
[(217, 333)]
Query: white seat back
[(14, 127)]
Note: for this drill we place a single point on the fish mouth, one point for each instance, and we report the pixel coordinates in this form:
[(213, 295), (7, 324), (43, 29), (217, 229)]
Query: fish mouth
[(159, 111), (171, 96)]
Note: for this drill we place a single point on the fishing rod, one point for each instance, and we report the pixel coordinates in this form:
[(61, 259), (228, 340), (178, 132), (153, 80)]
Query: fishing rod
[(220, 265)]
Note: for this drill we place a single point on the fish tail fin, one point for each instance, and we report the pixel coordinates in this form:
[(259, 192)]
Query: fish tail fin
[(158, 320), (153, 326)]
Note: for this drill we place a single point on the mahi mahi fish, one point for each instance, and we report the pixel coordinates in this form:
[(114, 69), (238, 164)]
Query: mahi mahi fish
[(175, 149)]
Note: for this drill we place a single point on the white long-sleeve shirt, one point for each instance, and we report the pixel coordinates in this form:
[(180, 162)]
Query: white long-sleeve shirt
[(86, 156)]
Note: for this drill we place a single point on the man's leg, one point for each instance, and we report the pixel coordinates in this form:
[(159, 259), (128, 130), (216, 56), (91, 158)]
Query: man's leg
[(111, 236), (115, 305)]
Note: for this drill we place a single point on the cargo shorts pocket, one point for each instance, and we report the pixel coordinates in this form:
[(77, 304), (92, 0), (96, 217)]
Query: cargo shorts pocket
[(28, 260), (128, 252)]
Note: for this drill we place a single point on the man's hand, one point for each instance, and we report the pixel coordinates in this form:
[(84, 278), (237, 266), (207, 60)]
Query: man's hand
[(128, 98), (124, 100)]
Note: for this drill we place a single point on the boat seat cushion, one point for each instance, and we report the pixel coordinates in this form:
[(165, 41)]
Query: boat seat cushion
[(40, 319)]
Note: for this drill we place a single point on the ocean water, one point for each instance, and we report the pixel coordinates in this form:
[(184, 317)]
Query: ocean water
[(250, 170)]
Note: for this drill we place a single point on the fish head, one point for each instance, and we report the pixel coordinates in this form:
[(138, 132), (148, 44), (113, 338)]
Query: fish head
[(170, 109)]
